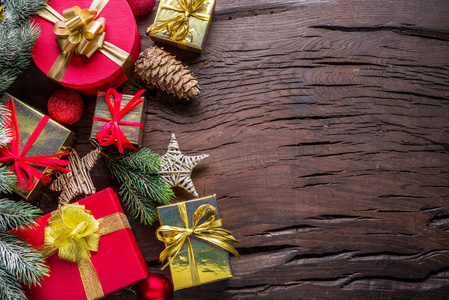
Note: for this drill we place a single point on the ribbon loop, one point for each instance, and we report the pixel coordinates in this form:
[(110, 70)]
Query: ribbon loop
[(208, 231), (78, 31), (111, 133), (27, 175), (178, 27)]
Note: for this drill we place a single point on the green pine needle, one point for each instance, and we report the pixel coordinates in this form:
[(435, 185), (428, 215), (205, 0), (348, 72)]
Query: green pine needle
[(21, 260), (17, 36), (17, 214), (10, 289), (142, 188)]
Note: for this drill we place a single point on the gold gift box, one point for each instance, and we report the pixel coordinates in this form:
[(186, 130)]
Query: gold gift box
[(212, 262), (133, 133), (198, 28), (54, 138)]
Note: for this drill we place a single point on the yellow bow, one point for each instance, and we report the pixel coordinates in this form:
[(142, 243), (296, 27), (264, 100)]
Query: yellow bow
[(80, 31), (73, 231), (178, 27), (208, 231)]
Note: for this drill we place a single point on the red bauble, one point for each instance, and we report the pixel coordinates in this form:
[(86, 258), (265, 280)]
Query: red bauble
[(155, 287), (141, 7), (66, 106)]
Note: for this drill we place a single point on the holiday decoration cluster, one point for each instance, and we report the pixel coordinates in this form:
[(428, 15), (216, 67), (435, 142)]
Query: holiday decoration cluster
[(73, 46)]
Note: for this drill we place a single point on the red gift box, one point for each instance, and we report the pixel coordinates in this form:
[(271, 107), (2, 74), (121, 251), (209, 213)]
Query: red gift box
[(118, 262), (88, 75)]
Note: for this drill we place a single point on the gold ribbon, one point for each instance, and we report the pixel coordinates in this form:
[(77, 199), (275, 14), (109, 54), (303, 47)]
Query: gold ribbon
[(74, 232), (178, 27), (80, 33), (209, 231)]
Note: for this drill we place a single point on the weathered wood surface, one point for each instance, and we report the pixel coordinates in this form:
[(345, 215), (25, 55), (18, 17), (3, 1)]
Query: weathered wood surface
[(327, 128)]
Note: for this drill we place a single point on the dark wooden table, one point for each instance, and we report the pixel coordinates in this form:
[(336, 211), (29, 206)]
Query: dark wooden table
[(327, 128)]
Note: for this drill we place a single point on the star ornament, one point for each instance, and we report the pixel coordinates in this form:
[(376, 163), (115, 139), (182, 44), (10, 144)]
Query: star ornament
[(177, 167)]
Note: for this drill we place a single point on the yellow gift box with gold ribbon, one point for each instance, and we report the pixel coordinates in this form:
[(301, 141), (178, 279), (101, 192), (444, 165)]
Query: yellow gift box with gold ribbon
[(196, 244), (89, 248), (183, 23)]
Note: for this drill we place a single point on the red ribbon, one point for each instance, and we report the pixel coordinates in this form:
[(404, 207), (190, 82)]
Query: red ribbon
[(111, 133), (27, 175)]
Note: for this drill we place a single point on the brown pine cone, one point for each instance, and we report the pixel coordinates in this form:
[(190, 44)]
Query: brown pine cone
[(157, 67)]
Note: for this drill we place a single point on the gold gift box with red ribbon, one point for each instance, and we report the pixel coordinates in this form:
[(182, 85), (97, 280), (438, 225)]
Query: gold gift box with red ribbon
[(119, 119), (38, 156), (183, 23)]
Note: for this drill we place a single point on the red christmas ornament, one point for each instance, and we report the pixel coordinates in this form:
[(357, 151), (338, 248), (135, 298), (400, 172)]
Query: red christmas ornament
[(66, 106), (141, 7), (155, 287)]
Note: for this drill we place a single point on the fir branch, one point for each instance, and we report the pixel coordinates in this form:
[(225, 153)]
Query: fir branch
[(10, 289), (7, 180), (17, 36), (17, 214), (142, 188), (21, 260)]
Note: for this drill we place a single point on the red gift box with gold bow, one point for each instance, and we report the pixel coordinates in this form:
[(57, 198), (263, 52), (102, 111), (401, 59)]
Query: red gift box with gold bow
[(87, 45), (90, 249)]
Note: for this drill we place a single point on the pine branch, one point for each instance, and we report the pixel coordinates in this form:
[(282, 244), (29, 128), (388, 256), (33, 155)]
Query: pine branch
[(21, 260), (7, 180), (17, 36), (17, 214), (141, 186), (10, 289)]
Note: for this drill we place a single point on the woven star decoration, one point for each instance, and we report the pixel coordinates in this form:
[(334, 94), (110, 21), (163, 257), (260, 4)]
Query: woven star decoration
[(78, 181), (177, 168)]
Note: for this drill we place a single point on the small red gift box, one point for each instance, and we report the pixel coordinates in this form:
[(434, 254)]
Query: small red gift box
[(99, 72), (118, 261)]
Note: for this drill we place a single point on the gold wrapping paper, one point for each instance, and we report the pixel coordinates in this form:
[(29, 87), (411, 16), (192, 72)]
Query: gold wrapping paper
[(212, 262), (54, 138), (133, 133), (198, 26)]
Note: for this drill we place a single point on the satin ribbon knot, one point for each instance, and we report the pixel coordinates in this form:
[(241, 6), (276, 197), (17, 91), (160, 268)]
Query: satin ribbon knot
[(22, 166), (111, 133), (175, 237), (179, 27), (80, 32)]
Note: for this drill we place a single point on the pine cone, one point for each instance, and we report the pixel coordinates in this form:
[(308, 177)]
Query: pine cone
[(159, 68)]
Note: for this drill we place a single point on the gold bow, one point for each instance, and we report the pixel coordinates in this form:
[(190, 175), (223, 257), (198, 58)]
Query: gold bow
[(178, 27), (208, 231), (80, 33), (74, 232)]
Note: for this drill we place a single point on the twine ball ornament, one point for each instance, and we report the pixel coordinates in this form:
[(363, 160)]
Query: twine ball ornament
[(155, 287), (141, 7), (66, 106)]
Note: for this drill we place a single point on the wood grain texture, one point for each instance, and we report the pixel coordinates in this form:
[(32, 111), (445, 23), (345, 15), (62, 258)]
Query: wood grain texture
[(326, 123)]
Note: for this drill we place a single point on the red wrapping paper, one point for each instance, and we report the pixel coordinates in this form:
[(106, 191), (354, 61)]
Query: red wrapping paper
[(88, 75), (118, 262)]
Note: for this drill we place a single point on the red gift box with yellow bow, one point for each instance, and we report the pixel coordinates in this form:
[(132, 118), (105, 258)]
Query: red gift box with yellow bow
[(87, 45), (115, 258)]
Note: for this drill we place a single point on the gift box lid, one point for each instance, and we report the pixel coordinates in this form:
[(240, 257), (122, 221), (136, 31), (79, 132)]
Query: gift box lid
[(97, 72), (118, 262)]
